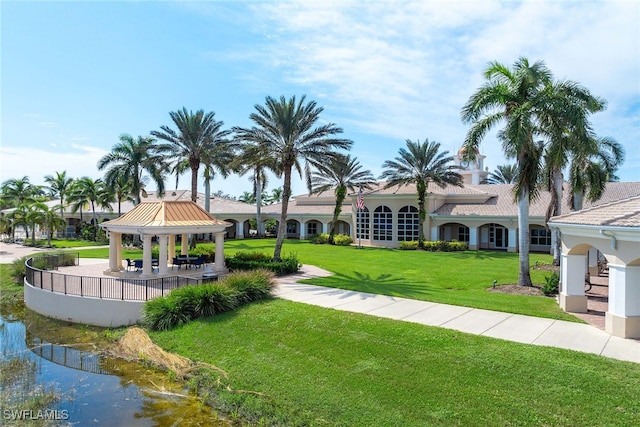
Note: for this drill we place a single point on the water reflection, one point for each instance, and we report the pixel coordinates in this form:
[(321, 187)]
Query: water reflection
[(95, 388)]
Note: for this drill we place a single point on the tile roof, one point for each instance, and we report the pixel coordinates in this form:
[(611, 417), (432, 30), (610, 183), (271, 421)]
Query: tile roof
[(621, 213)]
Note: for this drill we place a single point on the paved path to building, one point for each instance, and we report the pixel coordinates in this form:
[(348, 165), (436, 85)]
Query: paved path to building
[(507, 326)]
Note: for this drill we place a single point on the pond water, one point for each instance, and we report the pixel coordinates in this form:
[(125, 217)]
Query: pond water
[(95, 389)]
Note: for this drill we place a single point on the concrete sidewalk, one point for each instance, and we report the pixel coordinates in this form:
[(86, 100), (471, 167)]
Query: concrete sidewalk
[(507, 326)]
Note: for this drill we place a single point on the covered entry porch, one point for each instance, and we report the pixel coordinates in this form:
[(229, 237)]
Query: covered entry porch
[(614, 230)]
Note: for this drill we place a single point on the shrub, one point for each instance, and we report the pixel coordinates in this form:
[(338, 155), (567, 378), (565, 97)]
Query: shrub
[(192, 302), (551, 285), (444, 246), (251, 285), (258, 260), (342, 240), (320, 239), (410, 245)]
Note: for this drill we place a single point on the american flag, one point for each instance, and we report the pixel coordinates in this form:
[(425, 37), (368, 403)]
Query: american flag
[(360, 202)]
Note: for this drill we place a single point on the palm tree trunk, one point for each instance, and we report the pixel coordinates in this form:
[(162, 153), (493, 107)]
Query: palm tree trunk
[(282, 227), (578, 197), (258, 191), (557, 188), (524, 279), (207, 194), (194, 197), (422, 213), (341, 193)]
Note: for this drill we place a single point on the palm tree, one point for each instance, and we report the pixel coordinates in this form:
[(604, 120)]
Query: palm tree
[(420, 164), (122, 189), (194, 141), (247, 197), (253, 158), (130, 159), (503, 174), (518, 97), (592, 168), (59, 186), (34, 215), (344, 173), (275, 196), (87, 192), (52, 222), (286, 130), (18, 193), (217, 158)]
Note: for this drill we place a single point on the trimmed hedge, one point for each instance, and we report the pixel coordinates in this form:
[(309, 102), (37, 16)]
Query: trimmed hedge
[(257, 260), (434, 246), (192, 302), (338, 239)]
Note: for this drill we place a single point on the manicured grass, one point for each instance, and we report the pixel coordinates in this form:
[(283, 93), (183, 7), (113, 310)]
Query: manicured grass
[(304, 365), (458, 278), (10, 291), (64, 243)]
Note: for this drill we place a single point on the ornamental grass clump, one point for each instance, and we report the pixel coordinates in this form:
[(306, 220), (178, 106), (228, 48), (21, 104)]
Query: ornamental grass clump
[(192, 302)]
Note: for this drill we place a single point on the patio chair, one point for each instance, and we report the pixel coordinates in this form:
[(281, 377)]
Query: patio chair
[(198, 261), (130, 263)]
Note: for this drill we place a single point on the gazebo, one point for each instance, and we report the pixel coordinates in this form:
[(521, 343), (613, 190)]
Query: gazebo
[(164, 220), (614, 230)]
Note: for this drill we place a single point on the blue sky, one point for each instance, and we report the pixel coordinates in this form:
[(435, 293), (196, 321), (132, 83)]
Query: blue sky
[(75, 75)]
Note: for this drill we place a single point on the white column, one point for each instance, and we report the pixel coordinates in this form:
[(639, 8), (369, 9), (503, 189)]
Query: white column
[(513, 240), (434, 233), (303, 230), (219, 266), (162, 256), (572, 297), (239, 230), (473, 238), (593, 261), (119, 251), (325, 227), (147, 271), (113, 253), (184, 245), (623, 317), (171, 253)]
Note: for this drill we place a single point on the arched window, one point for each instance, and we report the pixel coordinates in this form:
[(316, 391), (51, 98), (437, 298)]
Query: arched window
[(362, 230), (382, 223), (408, 223)]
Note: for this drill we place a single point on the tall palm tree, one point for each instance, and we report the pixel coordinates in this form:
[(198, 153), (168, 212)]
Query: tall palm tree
[(59, 186), (131, 159), (344, 173), (502, 174), (567, 128), (196, 137), (34, 215), (592, 168), (252, 158), (286, 129), (420, 164), (217, 159), (518, 97), (122, 190), (247, 197)]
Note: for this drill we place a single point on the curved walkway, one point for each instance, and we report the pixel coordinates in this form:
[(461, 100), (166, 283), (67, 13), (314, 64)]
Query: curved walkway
[(507, 326)]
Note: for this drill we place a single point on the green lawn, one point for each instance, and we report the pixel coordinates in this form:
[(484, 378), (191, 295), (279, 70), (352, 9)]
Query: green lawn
[(458, 278), (305, 365)]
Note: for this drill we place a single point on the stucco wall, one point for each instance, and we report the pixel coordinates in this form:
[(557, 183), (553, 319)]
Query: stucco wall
[(91, 311)]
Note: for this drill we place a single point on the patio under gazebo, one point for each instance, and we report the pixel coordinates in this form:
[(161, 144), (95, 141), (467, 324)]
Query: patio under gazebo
[(164, 220)]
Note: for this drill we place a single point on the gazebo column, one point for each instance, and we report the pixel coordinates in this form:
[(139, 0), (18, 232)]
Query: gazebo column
[(113, 252), (162, 256), (473, 238), (623, 317), (172, 249), (184, 244), (147, 269), (119, 251), (572, 297), (219, 265)]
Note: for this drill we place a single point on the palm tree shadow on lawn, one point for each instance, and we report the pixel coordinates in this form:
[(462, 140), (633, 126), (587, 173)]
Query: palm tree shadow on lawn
[(386, 284)]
